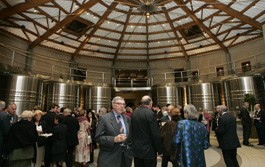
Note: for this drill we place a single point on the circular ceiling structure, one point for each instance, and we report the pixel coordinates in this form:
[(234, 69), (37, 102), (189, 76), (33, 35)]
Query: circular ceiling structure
[(125, 30)]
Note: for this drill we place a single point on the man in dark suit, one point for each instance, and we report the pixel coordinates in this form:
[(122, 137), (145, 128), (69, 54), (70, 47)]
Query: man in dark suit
[(167, 117), (259, 122), (71, 135), (145, 135), (226, 133), (49, 119), (246, 123), (158, 112), (111, 134)]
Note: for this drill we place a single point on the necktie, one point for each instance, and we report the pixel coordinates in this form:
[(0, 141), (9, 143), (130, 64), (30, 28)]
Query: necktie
[(120, 124)]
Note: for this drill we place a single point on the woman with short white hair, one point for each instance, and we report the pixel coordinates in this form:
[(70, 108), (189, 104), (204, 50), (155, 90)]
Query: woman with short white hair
[(191, 139), (21, 141)]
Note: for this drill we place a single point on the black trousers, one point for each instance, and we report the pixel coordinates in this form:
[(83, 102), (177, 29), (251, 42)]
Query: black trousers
[(144, 162), (166, 159), (70, 156), (47, 155), (261, 134), (246, 134), (230, 157)]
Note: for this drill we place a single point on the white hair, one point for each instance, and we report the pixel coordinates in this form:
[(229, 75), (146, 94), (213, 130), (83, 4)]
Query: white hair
[(192, 111), (2, 104), (26, 115), (67, 111), (116, 99)]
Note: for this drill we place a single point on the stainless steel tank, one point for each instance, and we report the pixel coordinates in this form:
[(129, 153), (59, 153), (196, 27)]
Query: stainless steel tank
[(202, 96), (25, 91), (64, 94), (164, 94), (97, 97), (181, 95), (219, 94), (235, 90)]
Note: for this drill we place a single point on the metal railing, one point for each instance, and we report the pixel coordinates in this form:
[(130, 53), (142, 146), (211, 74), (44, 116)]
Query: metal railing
[(14, 60), (210, 74), (52, 68)]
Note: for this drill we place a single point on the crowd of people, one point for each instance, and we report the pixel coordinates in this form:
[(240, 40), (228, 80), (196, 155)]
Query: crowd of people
[(59, 137), (124, 135)]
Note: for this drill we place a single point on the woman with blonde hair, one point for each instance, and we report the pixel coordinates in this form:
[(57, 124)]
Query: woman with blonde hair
[(82, 152), (41, 129)]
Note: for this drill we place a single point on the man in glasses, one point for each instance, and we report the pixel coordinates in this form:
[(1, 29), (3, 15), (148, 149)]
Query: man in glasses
[(112, 135)]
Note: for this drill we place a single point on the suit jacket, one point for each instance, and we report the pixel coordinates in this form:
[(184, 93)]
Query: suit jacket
[(145, 133), (226, 132), (72, 129), (110, 154), (260, 123), (245, 118), (4, 128)]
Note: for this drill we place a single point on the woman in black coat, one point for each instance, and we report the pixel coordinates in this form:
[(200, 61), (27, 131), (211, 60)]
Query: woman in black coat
[(59, 146), (21, 141)]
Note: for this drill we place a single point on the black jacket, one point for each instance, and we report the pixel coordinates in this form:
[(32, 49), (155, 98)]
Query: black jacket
[(72, 129), (226, 132), (22, 134), (145, 133), (245, 118)]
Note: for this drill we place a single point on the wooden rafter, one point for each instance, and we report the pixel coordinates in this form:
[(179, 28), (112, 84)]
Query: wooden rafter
[(200, 24), (21, 7), (176, 35), (63, 23), (95, 28), (122, 35), (232, 12)]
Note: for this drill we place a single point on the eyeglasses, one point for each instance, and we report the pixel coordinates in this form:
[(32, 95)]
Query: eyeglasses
[(121, 104)]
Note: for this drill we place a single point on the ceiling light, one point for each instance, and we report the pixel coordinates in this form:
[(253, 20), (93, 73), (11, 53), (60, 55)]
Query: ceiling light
[(87, 13), (147, 15), (35, 11)]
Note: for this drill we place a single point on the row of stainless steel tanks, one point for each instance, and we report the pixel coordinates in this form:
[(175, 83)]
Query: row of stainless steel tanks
[(230, 92), (28, 92)]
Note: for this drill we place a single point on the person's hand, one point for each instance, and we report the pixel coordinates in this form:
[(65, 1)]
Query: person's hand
[(120, 138)]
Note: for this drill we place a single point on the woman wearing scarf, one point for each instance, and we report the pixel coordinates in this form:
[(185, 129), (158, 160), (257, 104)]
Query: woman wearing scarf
[(82, 152)]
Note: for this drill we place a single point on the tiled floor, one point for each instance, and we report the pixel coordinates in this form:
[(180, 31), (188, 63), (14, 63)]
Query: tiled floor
[(247, 156)]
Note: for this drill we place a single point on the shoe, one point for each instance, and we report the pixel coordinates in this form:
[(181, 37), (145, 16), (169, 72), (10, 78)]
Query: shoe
[(250, 145)]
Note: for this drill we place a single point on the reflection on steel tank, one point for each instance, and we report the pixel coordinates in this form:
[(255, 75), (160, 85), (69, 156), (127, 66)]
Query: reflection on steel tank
[(164, 94), (97, 97), (219, 94), (202, 96), (64, 94), (235, 90), (25, 91)]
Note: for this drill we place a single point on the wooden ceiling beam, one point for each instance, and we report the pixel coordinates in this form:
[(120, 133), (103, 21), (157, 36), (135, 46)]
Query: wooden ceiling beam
[(236, 14), (95, 28), (122, 35), (200, 24), (63, 23), (21, 7), (176, 35)]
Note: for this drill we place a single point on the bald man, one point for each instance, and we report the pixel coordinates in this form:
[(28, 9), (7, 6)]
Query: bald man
[(145, 134)]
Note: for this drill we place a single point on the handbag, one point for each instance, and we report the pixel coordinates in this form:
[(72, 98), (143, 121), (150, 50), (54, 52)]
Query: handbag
[(89, 139)]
